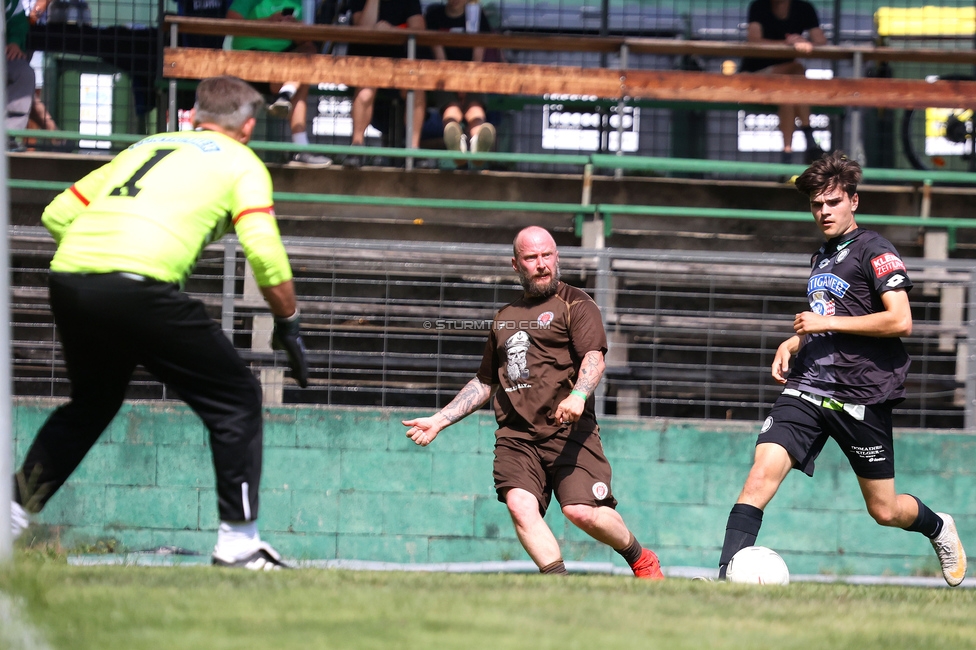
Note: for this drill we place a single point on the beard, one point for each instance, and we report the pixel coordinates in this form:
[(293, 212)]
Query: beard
[(536, 287)]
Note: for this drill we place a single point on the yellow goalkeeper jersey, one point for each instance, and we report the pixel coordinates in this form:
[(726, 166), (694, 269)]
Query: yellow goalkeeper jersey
[(153, 209)]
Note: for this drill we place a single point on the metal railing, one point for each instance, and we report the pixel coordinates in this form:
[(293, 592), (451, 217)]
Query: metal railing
[(399, 324)]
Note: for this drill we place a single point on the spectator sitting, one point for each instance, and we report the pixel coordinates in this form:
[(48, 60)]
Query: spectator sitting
[(778, 21), (20, 74), (292, 97), (383, 14), (457, 107), (203, 9)]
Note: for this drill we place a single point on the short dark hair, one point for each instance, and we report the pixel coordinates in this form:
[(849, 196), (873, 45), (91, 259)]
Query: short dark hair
[(226, 101), (834, 170)]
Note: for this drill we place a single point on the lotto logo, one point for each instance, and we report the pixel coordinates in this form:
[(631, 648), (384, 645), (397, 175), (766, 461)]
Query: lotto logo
[(885, 264)]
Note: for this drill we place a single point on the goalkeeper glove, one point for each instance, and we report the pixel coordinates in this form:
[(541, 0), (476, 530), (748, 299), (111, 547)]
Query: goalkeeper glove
[(286, 337)]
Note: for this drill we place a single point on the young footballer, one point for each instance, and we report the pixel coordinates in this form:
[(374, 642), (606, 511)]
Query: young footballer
[(848, 372)]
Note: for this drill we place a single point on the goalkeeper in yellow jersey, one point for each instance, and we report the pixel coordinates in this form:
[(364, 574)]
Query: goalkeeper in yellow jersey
[(128, 235)]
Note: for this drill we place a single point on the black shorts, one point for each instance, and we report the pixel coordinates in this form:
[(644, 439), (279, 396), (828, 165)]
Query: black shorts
[(802, 428), (571, 464)]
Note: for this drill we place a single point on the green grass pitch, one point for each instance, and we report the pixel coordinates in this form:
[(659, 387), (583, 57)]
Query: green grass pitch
[(211, 609)]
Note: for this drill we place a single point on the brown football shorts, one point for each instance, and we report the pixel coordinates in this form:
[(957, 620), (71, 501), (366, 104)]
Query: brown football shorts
[(570, 464)]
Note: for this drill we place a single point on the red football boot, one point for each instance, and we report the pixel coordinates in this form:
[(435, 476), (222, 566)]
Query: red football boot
[(647, 566)]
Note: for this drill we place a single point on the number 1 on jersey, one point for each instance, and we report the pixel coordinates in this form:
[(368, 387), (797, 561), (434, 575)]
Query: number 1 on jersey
[(129, 188)]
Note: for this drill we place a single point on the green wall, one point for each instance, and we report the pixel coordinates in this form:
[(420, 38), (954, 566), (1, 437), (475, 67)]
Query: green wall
[(346, 483)]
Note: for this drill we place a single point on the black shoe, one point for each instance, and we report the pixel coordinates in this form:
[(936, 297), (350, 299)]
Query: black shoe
[(424, 163), (352, 162), (263, 559)]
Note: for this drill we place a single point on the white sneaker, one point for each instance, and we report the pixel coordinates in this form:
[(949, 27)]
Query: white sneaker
[(18, 519), (952, 556), (264, 558), (454, 139), (484, 140)]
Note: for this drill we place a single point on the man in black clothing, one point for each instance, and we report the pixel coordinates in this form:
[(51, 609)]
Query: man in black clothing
[(849, 368), (383, 14), (779, 21)]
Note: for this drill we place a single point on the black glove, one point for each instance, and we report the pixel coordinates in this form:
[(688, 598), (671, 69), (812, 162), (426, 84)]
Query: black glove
[(286, 337)]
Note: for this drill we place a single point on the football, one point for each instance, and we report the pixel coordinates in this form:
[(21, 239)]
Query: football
[(758, 565)]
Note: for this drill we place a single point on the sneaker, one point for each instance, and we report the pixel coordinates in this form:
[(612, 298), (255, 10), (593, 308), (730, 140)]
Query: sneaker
[(647, 566), (454, 138), (307, 159), (952, 556), (264, 558), (484, 140), (280, 108), (352, 162), (19, 520)]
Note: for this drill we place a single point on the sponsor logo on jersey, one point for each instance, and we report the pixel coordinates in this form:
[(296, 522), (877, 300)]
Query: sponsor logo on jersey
[(841, 256), (829, 282), (207, 145), (887, 263), (821, 303), (895, 280), (544, 319), (600, 490), (824, 262)]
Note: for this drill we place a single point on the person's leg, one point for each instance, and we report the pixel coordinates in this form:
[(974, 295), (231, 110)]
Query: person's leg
[(99, 364), (581, 479), (191, 355), (481, 133), (362, 113), (875, 476), (788, 112), (891, 509), (601, 523), (787, 125), (474, 117), (521, 485), (454, 138), (909, 513), (299, 112), (419, 116), (533, 532), (20, 93), (772, 464)]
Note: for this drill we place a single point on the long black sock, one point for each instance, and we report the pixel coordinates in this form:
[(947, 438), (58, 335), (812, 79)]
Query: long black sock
[(632, 552), (927, 522), (741, 531), (555, 568)]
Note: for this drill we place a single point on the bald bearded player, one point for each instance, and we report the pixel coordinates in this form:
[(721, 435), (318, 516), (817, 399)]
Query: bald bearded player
[(543, 361)]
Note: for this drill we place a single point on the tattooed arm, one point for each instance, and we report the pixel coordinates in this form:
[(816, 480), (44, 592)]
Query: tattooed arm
[(590, 373), (472, 397)]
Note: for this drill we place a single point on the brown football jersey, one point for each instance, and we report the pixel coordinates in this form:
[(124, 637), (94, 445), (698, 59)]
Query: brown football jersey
[(533, 355)]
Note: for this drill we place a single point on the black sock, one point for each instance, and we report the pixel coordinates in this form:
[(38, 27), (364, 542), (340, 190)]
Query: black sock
[(741, 531), (555, 568), (632, 552), (927, 522)]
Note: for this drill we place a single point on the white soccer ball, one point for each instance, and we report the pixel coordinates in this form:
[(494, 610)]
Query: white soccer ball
[(757, 565)]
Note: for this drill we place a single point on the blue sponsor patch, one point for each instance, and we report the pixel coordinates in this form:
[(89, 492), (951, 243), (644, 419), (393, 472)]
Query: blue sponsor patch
[(828, 282)]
